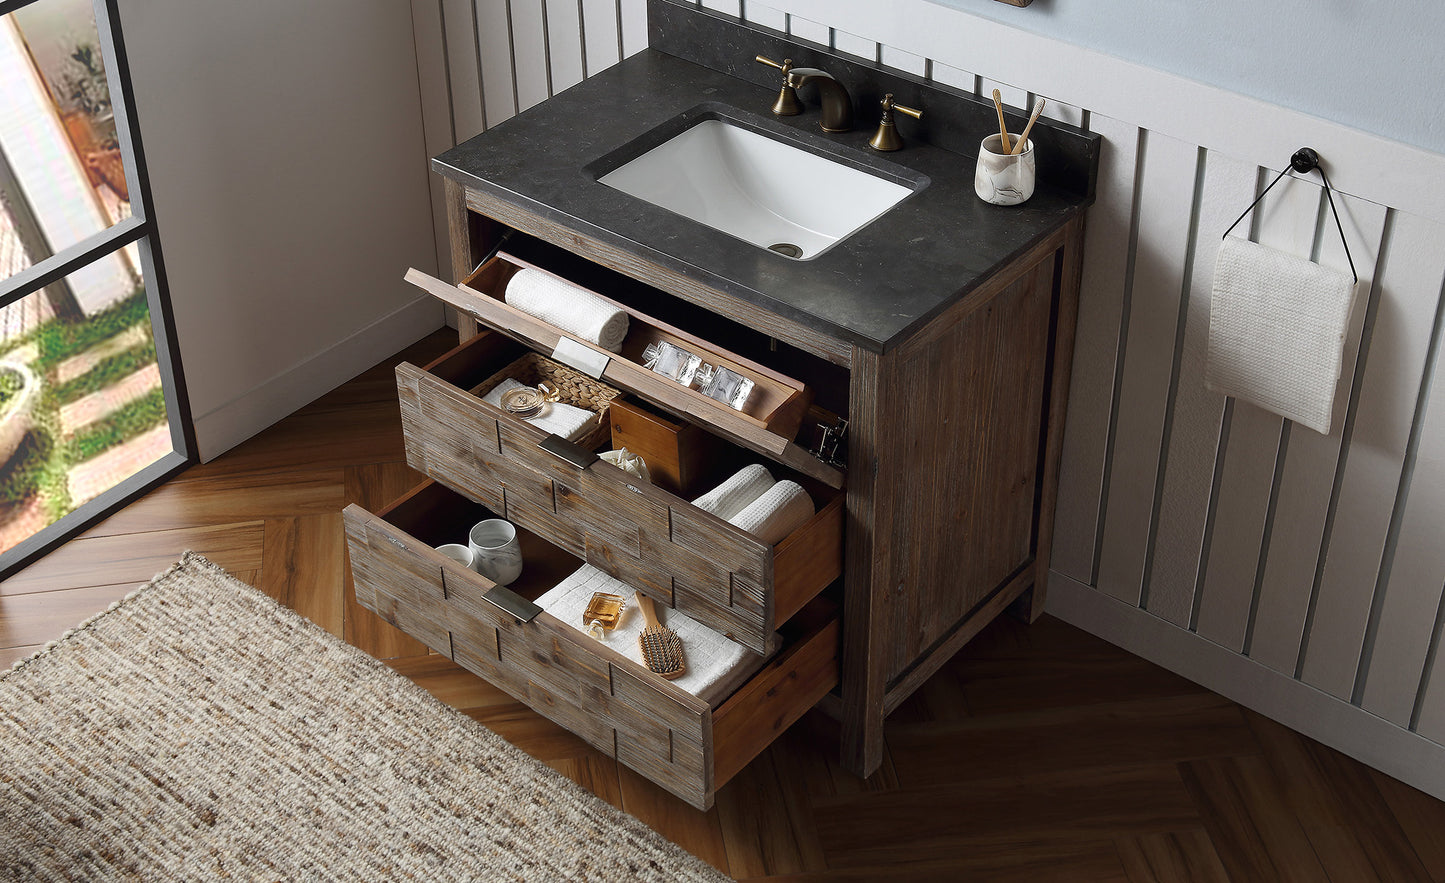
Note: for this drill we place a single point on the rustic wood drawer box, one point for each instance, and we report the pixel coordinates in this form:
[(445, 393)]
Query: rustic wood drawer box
[(639, 533), (768, 423), (616, 705)]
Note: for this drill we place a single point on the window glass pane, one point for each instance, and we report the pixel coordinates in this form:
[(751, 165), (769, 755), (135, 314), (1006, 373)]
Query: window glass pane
[(62, 178), (83, 405)]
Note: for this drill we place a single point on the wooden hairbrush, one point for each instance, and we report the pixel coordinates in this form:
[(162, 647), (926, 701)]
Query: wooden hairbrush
[(660, 645)]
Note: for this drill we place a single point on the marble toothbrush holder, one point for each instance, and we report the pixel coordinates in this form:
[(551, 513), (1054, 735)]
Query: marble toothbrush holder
[(496, 552), (1002, 178)]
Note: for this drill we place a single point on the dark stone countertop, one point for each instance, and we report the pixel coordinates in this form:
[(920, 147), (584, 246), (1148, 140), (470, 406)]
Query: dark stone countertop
[(875, 288)]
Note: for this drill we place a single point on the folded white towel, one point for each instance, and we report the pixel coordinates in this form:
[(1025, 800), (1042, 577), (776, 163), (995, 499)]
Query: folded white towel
[(777, 513), (735, 494), (575, 310), (716, 666), (558, 418), (1277, 328)]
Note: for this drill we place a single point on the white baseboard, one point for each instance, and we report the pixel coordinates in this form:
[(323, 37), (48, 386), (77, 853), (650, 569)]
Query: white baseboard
[(1372, 740), (225, 426)]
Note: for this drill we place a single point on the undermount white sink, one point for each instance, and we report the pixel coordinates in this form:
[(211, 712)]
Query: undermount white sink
[(759, 189)]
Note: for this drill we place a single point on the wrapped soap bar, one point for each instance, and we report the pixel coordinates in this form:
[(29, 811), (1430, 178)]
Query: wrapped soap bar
[(672, 361), (725, 385)]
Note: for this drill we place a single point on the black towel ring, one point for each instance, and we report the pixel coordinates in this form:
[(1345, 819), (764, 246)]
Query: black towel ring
[(1304, 161)]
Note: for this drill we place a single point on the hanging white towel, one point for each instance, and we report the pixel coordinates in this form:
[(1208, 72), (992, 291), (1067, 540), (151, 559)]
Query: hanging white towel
[(777, 513), (558, 418), (1277, 328), (575, 310), (716, 666), (734, 495)]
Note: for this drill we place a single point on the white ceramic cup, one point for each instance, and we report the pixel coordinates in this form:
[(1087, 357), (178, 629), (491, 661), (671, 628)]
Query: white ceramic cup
[(458, 553), (496, 553), (1001, 178)]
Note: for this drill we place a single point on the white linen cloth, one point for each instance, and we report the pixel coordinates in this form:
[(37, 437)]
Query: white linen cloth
[(1277, 327), (734, 495), (716, 666), (569, 307), (558, 418), (781, 510)]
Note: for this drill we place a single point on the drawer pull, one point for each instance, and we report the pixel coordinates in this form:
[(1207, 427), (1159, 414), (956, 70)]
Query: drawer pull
[(562, 449), (512, 604), (584, 359)]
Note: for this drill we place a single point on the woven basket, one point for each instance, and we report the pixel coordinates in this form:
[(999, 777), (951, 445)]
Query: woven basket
[(577, 389)]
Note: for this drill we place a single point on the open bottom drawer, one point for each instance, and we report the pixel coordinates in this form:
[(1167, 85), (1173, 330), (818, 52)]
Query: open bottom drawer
[(616, 705)]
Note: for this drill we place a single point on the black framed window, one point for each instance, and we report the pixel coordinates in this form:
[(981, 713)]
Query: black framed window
[(93, 409)]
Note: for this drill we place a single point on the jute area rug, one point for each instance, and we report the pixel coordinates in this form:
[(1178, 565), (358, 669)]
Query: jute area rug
[(200, 731)]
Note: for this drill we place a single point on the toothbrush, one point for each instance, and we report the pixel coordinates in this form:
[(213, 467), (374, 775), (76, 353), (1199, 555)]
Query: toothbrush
[(1033, 117), (1002, 129)]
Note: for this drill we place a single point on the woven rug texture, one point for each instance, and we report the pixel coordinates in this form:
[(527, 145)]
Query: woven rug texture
[(200, 731)]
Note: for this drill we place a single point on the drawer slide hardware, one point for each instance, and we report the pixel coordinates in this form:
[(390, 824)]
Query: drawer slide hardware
[(512, 604), (564, 450)]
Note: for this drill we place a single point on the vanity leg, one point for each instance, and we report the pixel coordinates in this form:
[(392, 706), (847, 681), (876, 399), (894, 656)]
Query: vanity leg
[(472, 237), (867, 571), (1068, 268)]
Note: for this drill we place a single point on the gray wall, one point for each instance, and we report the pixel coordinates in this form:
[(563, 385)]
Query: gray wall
[(1370, 64)]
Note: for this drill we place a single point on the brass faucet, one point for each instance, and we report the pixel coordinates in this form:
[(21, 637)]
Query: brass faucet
[(837, 104)]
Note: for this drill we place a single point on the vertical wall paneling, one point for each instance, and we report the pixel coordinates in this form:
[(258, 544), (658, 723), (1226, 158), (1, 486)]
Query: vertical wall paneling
[(1250, 450), (1064, 113), (949, 75), (1166, 197), (1409, 287), (808, 29), (1304, 476), (731, 7), (855, 46), (1198, 412), (493, 35), (1419, 563), (634, 26), (767, 16), (904, 61), (564, 43), (1091, 385), (1013, 97), (529, 53), (436, 112), (599, 31), (463, 68)]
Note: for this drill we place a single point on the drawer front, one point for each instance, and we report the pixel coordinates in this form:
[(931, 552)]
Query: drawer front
[(624, 711), (632, 530)]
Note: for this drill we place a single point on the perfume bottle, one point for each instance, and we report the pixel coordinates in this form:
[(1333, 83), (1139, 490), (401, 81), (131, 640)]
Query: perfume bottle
[(603, 613)]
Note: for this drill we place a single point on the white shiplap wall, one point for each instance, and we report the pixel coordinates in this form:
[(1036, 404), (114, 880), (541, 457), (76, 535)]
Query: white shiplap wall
[(1300, 574)]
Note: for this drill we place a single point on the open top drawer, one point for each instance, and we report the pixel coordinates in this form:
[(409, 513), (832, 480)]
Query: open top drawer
[(618, 706), (768, 424), (639, 533)]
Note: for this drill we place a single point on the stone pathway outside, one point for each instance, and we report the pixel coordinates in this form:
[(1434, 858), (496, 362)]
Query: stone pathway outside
[(99, 474), (75, 366), (95, 407)]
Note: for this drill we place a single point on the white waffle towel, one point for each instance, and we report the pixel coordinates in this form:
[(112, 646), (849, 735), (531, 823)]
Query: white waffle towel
[(575, 310), (1277, 328), (778, 512), (716, 666), (734, 495), (558, 418)]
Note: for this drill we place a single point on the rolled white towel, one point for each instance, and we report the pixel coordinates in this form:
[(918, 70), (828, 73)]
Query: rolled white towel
[(777, 513), (558, 418), (575, 310), (734, 495)]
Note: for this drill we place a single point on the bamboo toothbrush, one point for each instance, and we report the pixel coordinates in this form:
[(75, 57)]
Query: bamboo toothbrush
[(1002, 129), (1033, 117), (661, 647)]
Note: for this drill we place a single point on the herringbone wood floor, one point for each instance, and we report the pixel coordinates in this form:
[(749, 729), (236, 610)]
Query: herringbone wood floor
[(1040, 753)]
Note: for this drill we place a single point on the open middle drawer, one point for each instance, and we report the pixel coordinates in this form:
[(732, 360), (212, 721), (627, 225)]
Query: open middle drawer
[(633, 530), (625, 711)]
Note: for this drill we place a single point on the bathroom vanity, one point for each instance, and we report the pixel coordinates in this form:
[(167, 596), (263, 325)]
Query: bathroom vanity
[(941, 332)]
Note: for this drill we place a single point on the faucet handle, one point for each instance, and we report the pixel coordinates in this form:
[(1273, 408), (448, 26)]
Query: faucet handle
[(787, 104), (886, 138)]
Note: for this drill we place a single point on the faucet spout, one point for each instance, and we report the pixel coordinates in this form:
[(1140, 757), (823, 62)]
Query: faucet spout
[(837, 104)]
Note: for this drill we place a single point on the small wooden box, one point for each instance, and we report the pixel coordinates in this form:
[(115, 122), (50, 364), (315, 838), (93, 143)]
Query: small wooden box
[(677, 453)]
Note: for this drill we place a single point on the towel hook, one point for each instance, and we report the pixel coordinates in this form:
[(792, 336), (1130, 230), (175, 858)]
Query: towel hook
[(1304, 161)]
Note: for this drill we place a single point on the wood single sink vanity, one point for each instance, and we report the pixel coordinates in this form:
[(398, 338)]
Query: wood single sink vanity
[(942, 332)]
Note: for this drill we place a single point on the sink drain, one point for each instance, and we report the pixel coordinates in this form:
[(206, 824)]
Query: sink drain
[(787, 250)]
